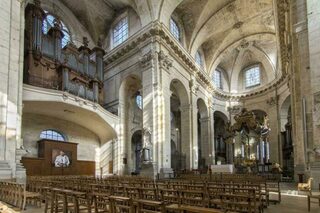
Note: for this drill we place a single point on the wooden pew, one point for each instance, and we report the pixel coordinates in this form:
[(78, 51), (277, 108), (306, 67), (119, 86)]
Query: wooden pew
[(190, 209)]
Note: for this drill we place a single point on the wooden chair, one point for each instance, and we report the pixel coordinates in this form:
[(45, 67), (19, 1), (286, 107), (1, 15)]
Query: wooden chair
[(274, 187), (237, 203), (148, 194), (169, 196), (193, 198), (148, 206), (13, 194), (121, 204), (310, 196)]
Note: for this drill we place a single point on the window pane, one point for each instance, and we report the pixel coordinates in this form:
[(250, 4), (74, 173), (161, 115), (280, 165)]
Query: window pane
[(174, 29), (51, 135), (139, 101), (120, 32), (198, 58), (217, 79), (252, 76)]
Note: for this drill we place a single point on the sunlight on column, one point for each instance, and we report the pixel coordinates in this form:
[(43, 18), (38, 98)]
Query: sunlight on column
[(97, 160)]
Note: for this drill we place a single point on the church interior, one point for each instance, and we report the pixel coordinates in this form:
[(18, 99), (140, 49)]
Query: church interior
[(158, 106)]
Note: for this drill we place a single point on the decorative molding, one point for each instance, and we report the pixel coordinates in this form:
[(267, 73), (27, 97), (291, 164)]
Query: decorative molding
[(283, 7), (194, 86), (164, 61), (234, 109), (146, 60), (272, 101), (159, 32)]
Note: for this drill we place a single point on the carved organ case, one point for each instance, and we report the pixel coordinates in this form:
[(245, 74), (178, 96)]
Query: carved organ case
[(78, 71)]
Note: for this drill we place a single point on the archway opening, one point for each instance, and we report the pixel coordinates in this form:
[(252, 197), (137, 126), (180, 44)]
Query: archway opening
[(179, 128), (131, 109), (177, 159), (136, 143), (220, 121), (203, 135), (286, 139)]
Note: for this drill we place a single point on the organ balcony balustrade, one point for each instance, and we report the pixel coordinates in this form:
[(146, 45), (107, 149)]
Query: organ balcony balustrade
[(78, 71)]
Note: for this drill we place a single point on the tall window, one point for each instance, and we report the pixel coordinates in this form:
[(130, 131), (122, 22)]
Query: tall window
[(120, 32), (174, 29), (198, 58), (139, 101), (52, 135), (217, 79), (252, 76), (49, 22)]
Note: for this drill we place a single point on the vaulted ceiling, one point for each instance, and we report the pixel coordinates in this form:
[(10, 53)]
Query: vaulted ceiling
[(221, 28)]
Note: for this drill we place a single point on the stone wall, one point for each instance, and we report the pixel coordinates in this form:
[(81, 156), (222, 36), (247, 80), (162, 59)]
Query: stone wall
[(33, 124)]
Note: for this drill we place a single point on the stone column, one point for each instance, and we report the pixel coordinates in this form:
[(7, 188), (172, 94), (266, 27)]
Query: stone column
[(205, 139), (194, 123), (313, 11), (156, 111), (11, 72), (186, 135), (300, 86), (150, 94), (211, 138), (123, 136)]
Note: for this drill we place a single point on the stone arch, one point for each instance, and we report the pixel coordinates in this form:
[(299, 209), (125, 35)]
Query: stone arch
[(220, 120), (180, 109), (128, 88)]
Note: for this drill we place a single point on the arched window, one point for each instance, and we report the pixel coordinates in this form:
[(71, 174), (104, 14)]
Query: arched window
[(217, 80), (252, 76), (174, 29), (120, 31), (198, 59), (139, 101), (52, 135), (49, 22)]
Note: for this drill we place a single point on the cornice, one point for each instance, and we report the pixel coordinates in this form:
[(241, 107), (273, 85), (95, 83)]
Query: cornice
[(156, 31)]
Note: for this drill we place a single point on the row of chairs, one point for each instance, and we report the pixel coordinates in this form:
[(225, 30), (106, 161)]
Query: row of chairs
[(228, 196), (16, 195)]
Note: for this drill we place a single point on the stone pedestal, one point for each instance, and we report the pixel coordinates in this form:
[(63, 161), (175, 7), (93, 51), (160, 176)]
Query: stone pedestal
[(148, 170), (5, 170), (21, 175), (166, 173), (315, 174)]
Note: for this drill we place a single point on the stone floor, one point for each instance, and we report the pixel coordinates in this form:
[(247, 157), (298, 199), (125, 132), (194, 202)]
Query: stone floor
[(293, 204)]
